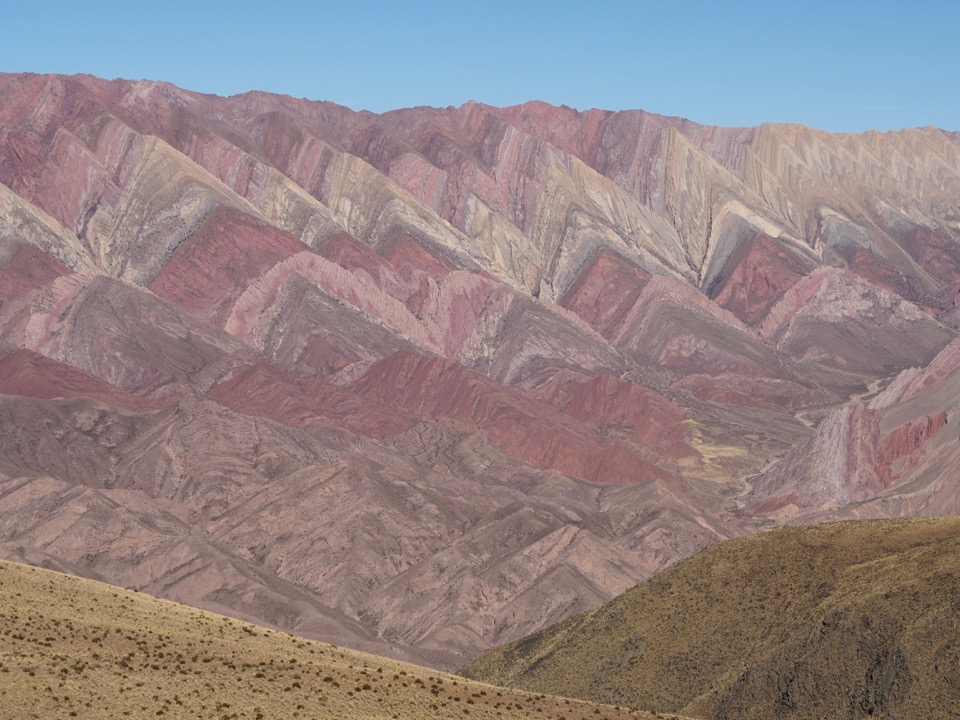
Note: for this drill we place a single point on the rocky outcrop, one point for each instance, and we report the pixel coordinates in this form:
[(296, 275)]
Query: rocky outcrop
[(835, 318), (887, 455), (906, 439), (230, 511), (623, 409)]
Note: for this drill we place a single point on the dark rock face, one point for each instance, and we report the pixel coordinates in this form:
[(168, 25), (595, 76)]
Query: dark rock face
[(428, 380), (878, 680)]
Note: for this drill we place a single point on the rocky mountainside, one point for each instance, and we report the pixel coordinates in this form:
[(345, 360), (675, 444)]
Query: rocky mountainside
[(844, 620), (427, 381)]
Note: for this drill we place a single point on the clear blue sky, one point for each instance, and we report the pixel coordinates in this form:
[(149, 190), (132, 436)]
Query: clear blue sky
[(843, 65)]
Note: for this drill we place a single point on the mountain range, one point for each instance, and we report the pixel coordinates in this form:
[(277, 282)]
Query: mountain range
[(424, 382)]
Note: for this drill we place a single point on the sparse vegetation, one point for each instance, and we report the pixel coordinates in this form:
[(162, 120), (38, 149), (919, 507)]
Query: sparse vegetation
[(71, 647), (847, 620)]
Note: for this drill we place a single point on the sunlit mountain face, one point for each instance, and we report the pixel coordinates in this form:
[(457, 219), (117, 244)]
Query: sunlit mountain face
[(427, 381)]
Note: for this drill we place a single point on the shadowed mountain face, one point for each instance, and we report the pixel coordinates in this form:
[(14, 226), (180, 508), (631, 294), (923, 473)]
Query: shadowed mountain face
[(426, 381)]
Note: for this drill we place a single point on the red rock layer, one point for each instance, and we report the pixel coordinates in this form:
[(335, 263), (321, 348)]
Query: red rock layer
[(605, 292), (24, 372), (749, 391), (626, 410), (299, 400), (28, 270), (906, 439), (756, 276), (211, 269), (855, 467), (520, 427)]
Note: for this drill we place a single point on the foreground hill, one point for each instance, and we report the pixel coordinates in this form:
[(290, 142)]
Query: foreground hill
[(71, 647), (842, 620)]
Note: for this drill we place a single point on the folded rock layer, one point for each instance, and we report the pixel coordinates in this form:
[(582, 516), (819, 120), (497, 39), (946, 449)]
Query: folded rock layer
[(425, 381)]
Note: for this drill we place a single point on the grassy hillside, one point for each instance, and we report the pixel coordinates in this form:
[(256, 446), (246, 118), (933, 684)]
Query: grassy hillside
[(844, 620), (74, 648)]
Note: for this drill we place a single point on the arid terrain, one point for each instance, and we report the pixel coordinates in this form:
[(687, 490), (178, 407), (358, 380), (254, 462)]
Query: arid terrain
[(425, 382), (71, 647), (842, 620)]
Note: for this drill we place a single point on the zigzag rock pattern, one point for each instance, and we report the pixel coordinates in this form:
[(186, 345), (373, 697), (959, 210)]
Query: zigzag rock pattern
[(427, 381)]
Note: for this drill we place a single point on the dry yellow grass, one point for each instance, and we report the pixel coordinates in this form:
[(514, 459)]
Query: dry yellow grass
[(845, 620), (71, 647)]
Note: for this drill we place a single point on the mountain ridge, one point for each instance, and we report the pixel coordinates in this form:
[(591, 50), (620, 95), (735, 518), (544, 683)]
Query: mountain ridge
[(626, 321)]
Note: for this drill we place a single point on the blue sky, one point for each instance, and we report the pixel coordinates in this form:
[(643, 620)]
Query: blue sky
[(842, 66)]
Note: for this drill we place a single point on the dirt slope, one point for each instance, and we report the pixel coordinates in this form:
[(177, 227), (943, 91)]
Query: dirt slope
[(77, 648), (844, 620)]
